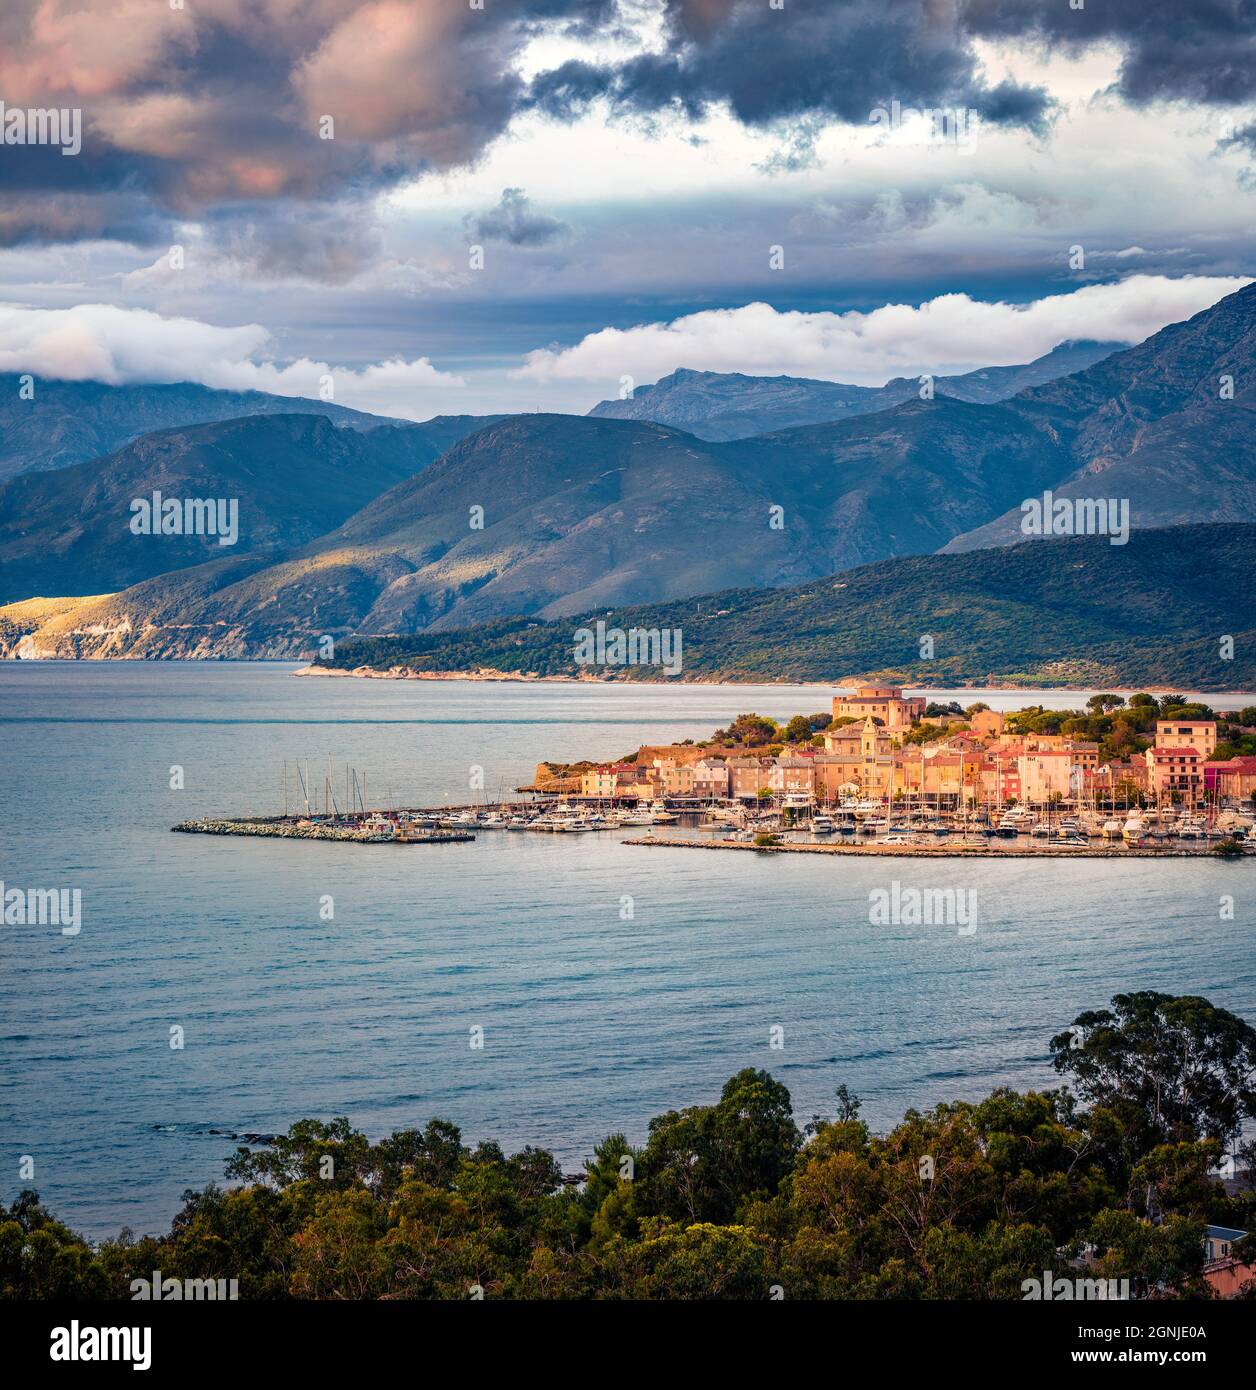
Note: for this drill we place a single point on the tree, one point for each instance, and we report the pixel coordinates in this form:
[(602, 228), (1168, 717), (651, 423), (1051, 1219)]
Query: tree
[(1186, 1067), (1101, 704), (703, 1163), (798, 730)]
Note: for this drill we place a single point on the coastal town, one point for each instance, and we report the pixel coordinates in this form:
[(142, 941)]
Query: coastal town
[(871, 748), (882, 772)]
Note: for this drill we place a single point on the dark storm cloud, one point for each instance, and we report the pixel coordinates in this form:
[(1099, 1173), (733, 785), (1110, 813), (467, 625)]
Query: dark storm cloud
[(220, 104), (516, 221), (770, 65), (1200, 51)]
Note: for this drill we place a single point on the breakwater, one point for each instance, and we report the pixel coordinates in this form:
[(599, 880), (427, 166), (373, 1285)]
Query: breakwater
[(288, 830), (1028, 849)]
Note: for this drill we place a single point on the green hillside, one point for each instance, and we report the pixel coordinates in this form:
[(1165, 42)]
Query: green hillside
[(1069, 611)]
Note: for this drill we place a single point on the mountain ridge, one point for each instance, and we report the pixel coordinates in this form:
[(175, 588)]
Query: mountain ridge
[(293, 477), (723, 406)]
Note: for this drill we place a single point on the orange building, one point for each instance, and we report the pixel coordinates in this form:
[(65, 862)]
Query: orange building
[(1199, 734), (883, 702)]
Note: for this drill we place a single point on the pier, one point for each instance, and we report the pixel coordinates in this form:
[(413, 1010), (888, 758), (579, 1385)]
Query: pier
[(284, 828)]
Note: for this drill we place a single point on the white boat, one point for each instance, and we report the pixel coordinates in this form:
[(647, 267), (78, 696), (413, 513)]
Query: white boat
[(822, 825), (1133, 830), (1111, 830), (660, 815)]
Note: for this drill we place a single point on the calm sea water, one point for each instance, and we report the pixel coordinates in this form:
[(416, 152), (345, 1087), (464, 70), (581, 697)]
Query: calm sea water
[(592, 1022)]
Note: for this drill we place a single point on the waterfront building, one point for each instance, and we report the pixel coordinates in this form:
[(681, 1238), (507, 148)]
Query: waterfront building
[(748, 776), (792, 776), (1045, 775), (711, 779), (1175, 772), (1231, 780)]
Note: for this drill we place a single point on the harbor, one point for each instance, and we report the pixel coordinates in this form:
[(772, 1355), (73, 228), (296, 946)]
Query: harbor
[(852, 828)]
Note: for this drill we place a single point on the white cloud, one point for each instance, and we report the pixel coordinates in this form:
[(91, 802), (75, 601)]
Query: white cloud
[(101, 342), (953, 332)]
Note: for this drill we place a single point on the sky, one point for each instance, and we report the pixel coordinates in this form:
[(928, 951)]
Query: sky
[(470, 206)]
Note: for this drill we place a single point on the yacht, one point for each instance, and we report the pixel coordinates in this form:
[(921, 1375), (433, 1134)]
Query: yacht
[(660, 815), (1111, 830), (1133, 830), (822, 825)]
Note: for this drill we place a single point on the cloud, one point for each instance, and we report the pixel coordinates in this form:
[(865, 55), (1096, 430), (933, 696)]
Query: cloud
[(220, 101), (772, 66), (101, 342), (515, 220), (948, 334), (1198, 53)]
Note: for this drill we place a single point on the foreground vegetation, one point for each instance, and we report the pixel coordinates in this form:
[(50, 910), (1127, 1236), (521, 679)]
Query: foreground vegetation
[(732, 1200)]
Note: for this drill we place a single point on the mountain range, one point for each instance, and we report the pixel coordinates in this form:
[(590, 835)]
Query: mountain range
[(728, 405), (550, 515), (293, 478), (68, 422), (1074, 611)]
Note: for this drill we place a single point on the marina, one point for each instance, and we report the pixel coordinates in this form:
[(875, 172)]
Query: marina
[(853, 827)]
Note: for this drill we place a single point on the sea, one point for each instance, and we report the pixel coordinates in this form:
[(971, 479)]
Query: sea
[(533, 989)]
